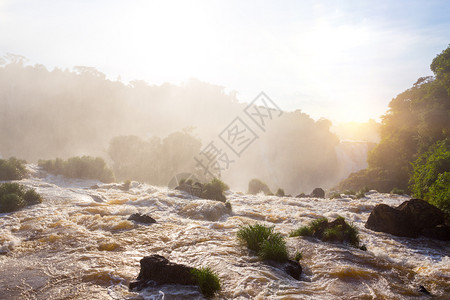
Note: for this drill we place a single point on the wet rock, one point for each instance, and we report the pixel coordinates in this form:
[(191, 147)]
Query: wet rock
[(194, 190), (146, 219), (318, 193), (387, 219), (156, 268), (422, 214), (422, 289), (302, 195), (410, 219), (291, 267), (439, 232)]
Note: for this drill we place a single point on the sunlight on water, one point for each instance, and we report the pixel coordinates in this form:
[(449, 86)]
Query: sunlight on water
[(75, 245)]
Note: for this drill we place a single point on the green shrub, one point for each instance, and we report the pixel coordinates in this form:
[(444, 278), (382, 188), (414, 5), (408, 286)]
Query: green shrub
[(349, 192), (439, 192), (274, 248), (12, 169), (254, 235), (11, 202), (269, 245), (255, 186), (85, 167), (430, 179), (31, 197), (13, 196), (397, 191), (337, 231), (335, 195), (302, 231), (298, 256), (214, 190), (311, 229), (280, 192), (208, 282)]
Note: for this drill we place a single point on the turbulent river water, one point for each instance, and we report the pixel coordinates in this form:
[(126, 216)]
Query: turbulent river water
[(78, 244)]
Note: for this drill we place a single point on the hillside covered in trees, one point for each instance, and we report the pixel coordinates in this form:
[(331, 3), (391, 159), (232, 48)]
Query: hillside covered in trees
[(414, 151)]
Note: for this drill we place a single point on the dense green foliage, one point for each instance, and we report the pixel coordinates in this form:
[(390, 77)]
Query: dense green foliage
[(431, 177), (417, 121), (14, 196), (337, 231), (256, 186), (208, 282), (12, 169), (269, 245), (85, 167)]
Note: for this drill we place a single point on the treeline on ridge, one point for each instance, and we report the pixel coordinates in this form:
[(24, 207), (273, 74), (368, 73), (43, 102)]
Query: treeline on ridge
[(414, 151)]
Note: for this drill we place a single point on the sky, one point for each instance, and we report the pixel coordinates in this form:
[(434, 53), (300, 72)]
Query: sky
[(341, 60)]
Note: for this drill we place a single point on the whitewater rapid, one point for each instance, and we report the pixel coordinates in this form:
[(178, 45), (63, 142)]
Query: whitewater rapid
[(78, 244)]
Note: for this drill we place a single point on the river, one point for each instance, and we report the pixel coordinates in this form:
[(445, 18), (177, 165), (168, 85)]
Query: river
[(78, 244)]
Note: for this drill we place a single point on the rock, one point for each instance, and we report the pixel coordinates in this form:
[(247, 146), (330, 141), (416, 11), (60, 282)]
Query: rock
[(387, 219), (256, 186), (410, 219), (160, 270), (146, 219), (422, 214), (302, 195), (318, 193), (422, 289), (291, 267), (194, 190), (439, 232)]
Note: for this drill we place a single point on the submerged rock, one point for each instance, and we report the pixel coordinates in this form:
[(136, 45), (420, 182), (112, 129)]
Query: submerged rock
[(410, 219), (422, 214), (146, 219), (291, 267), (160, 270)]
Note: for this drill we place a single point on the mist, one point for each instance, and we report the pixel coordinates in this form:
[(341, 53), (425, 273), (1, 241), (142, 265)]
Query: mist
[(153, 132)]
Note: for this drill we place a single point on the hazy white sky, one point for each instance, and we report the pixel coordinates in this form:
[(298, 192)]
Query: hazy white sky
[(344, 60)]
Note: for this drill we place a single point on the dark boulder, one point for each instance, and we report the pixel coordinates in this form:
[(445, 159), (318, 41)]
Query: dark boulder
[(158, 269), (318, 193), (422, 214), (146, 219), (410, 219), (291, 267), (439, 232), (387, 219)]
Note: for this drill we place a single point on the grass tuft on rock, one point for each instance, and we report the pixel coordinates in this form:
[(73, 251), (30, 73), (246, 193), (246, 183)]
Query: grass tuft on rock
[(268, 245), (254, 235), (274, 248), (337, 231), (208, 282)]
